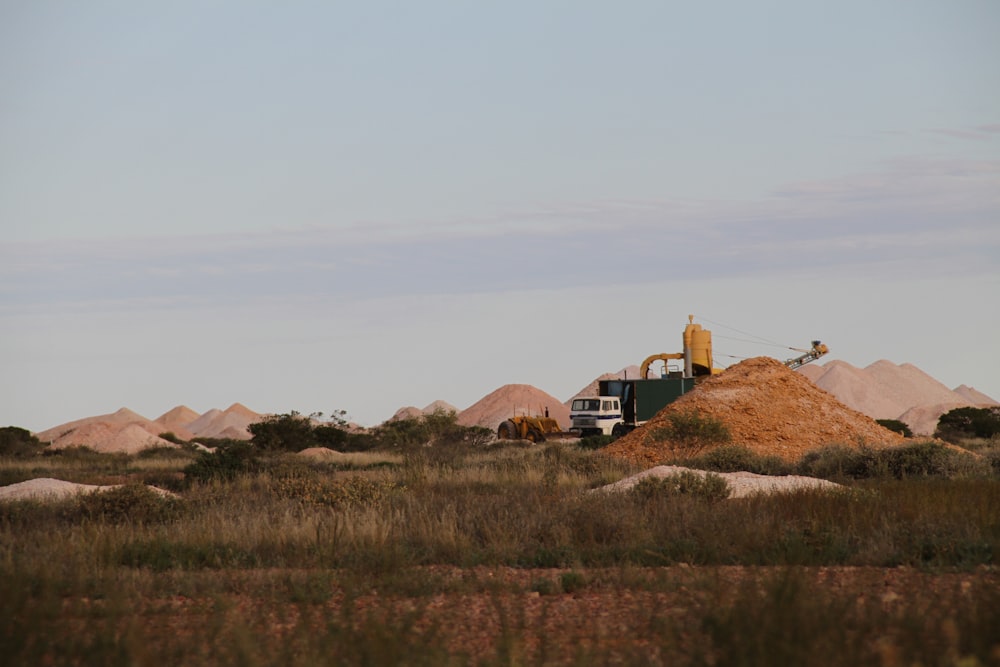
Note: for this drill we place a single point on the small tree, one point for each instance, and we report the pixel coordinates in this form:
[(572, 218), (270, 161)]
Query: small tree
[(969, 423), (18, 442), (897, 426), (289, 432)]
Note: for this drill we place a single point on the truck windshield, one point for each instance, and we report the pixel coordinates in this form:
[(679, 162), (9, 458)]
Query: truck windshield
[(586, 404)]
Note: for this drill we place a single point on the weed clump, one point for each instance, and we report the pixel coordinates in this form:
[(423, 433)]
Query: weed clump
[(707, 487), (691, 431), (128, 504), (927, 459)]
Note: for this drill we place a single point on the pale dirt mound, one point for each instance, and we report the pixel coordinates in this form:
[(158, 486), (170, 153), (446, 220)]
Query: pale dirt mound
[(121, 417), (629, 372), (856, 390), (176, 420), (884, 390), (923, 419), (231, 423), (110, 438), (243, 411), (767, 408), (412, 412), (741, 484), (320, 454), (47, 488), (408, 412), (974, 396), (510, 400)]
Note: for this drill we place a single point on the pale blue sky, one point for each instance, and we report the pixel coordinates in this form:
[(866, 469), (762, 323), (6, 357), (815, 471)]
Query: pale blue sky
[(367, 205)]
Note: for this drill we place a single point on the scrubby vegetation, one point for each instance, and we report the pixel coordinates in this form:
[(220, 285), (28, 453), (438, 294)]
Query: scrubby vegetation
[(408, 552), (964, 423)]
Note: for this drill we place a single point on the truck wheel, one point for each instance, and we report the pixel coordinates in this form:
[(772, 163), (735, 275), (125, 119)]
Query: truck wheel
[(619, 430), (507, 431)]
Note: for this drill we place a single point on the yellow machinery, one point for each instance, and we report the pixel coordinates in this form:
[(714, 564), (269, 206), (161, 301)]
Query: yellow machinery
[(522, 427), (697, 354)]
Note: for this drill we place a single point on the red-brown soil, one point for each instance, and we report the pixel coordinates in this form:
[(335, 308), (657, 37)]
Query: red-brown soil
[(767, 408)]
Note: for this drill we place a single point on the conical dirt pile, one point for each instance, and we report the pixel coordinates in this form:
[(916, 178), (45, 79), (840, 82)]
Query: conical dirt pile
[(767, 408)]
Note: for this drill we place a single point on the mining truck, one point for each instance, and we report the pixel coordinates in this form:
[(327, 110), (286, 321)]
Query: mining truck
[(622, 405)]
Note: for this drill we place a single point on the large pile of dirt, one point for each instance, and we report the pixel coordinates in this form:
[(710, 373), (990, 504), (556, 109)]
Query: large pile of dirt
[(884, 390), (767, 408), (510, 400), (129, 432), (412, 412), (122, 431), (229, 423)]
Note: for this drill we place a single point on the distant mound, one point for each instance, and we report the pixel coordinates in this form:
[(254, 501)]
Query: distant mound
[(411, 412), (232, 423), (110, 437), (510, 400), (122, 431), (884, 390), (767, 408)]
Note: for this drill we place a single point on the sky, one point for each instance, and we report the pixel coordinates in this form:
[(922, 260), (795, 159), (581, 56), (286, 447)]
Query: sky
[(320, 206)]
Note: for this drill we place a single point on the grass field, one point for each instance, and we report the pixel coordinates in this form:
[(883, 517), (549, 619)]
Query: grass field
[(500, 556)]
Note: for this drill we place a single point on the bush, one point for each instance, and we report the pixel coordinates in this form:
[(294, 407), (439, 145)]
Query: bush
[(706, 487), (734, 458), (969, 423), (440, 428), (692, 431), (289, 432), (895, 425), (132, 503), (595, 441), (19, 442), (225, 463), (919, 459)]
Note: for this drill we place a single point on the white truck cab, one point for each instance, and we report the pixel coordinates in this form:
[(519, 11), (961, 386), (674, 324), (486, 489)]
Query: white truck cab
[(595, 415)]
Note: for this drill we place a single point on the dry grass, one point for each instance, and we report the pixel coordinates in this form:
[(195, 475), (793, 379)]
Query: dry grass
[(496, 557)]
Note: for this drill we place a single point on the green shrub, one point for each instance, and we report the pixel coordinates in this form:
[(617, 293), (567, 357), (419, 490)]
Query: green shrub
[(969, 423), (918, 459), (289, 432), (706, 487), (19, 443), (692, 431), (225, 463), (131, 503), (895, 425), (595, 441), (734, 458)]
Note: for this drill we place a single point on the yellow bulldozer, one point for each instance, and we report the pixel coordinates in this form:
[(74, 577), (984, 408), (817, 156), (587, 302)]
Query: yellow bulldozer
[(535, 429)]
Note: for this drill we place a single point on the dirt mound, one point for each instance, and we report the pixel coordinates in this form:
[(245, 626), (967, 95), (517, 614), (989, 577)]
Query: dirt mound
[(741, 484), (320, 454), (231, 423), (768, 408), (514, 399), (176, 420), (412, 412), (923, 419), (884, 390), (47, 488), (110, 437), (974, 396)]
